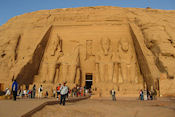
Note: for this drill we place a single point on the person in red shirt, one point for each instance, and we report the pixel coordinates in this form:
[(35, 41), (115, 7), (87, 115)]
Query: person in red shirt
[(58, 91)]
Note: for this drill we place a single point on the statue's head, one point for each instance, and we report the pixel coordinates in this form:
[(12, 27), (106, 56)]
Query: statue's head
[(124, 44), (105, 44)]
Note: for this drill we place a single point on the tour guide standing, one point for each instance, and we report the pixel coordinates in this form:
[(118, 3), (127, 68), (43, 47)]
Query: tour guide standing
[(14, 89), (64, 91)]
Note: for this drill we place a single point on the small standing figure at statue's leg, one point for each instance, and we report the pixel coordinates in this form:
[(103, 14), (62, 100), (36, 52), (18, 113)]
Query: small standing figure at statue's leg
[(113, 94), (141, 95)]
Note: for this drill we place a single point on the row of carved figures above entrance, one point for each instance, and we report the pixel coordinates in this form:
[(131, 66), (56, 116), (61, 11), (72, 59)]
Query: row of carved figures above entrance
[(108, 67)]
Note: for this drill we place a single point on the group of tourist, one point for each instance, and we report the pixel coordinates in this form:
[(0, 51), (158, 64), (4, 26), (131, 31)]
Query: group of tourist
[(143, 95), (26, 93), (62, 92), (74, 92), (147, 95), (79, 91)]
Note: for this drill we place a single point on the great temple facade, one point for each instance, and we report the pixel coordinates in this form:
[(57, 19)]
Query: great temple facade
[(86, 56), (97, 47)]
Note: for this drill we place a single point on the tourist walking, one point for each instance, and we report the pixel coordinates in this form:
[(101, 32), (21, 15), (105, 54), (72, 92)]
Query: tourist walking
[(113, 95), (40, 91), (58, 91), (63, 92), (34, 91), (14, 89)]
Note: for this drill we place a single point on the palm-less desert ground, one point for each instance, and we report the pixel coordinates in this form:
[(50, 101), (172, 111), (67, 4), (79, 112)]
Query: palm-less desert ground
[(108, 108)]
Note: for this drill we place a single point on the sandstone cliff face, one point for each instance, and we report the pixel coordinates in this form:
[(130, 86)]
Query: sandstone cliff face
[(30, 54)]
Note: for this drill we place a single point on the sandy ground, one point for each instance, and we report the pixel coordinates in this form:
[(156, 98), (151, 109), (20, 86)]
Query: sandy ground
[(108, 108), (10, 108)]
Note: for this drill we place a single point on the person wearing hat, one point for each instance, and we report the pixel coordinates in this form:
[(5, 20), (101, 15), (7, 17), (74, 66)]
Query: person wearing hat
[(63, 92)]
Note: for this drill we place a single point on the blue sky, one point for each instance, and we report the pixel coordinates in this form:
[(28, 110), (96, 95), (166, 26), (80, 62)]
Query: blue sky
[(11, 8)]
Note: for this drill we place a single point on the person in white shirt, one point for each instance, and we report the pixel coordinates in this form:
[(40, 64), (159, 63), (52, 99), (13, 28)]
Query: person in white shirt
[(64, 92), (40, 91)]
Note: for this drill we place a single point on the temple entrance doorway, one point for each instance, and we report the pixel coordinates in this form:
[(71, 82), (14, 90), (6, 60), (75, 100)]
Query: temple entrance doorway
[(89, 80)]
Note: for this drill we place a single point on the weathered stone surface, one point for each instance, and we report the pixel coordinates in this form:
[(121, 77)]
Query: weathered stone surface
[(123, 48)]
